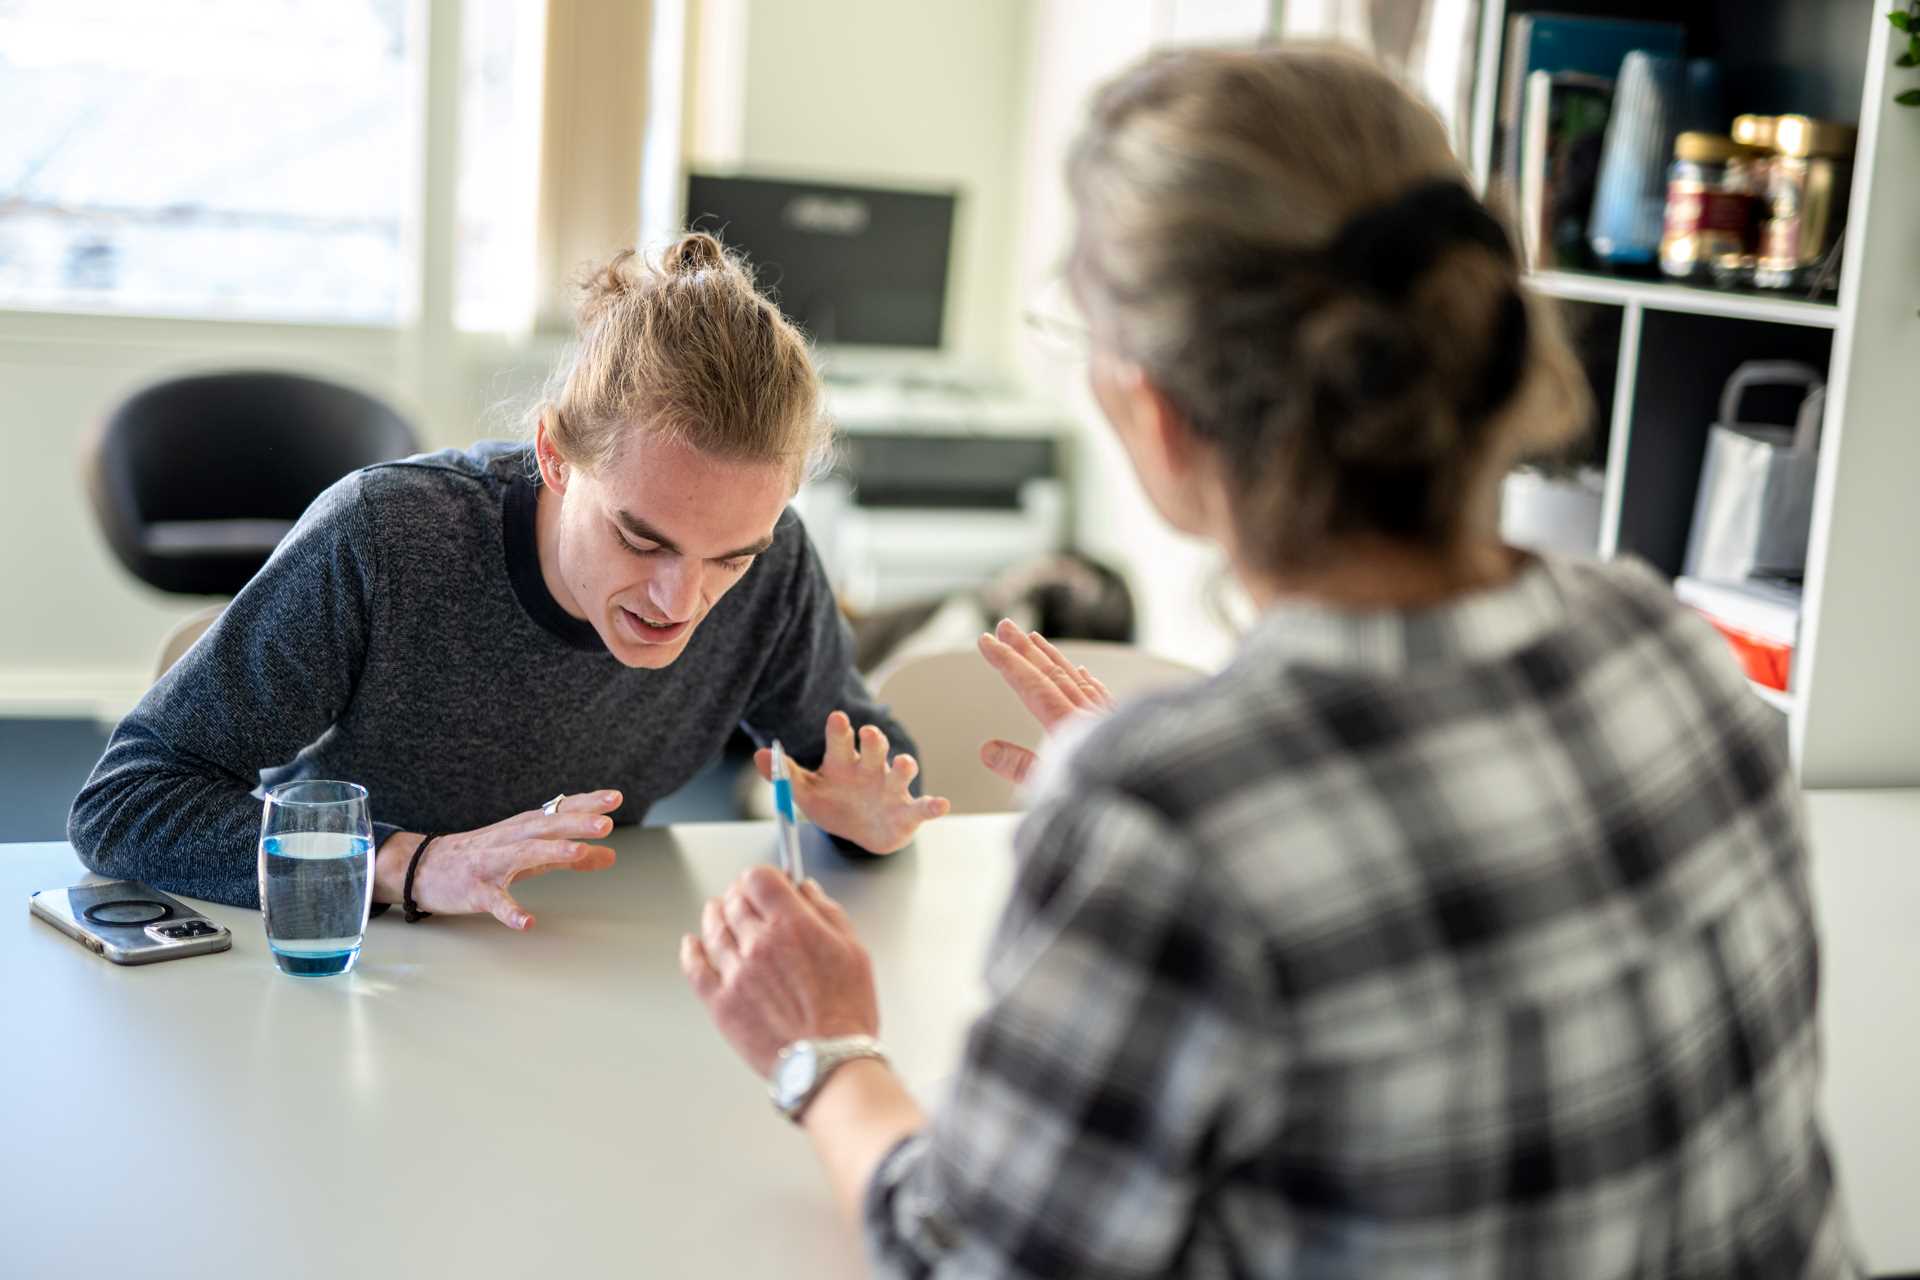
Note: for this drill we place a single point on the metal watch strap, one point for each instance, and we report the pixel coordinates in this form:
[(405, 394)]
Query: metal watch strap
[(832, 1054)]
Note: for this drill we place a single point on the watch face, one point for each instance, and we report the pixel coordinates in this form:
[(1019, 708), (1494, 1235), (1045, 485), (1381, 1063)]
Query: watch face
[(793, 1074)]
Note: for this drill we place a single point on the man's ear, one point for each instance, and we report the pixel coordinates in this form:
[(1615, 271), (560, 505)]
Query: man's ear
[(553, 468)]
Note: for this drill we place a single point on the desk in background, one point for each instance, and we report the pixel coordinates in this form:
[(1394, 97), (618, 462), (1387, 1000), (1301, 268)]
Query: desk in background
[(935, 490)]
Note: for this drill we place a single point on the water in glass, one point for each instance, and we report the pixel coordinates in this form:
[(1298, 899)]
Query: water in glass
[(316, 875)]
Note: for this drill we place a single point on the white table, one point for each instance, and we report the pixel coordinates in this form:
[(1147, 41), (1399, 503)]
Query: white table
[(555, 1103), (468, 1101)]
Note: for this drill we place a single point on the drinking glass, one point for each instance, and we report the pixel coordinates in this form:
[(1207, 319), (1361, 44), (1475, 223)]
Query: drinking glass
[(316, 875)]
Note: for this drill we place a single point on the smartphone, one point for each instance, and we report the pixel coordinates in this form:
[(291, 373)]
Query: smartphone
[(130, 923)]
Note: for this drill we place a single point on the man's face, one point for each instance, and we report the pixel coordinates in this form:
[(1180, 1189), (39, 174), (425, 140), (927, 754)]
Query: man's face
[(646, 548)]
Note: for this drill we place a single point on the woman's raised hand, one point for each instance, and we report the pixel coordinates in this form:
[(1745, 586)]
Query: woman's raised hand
[(1048, 685)]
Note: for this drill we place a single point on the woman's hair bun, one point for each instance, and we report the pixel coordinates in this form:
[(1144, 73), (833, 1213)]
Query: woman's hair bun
[(694, 251), (1369, 379)]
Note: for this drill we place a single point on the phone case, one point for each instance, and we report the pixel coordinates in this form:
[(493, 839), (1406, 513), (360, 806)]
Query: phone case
[(130, 923)]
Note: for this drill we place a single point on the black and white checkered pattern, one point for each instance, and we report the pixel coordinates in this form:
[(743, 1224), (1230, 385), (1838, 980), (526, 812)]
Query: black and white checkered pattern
[(1469, 942)]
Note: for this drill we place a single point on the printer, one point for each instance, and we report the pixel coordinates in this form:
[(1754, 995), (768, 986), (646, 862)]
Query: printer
[(934, 489)]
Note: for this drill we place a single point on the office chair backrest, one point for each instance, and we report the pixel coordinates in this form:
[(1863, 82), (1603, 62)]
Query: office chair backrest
[(183, 635), (952, 702), (196, 479)]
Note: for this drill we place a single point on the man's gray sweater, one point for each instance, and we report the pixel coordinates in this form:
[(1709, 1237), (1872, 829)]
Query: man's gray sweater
[(402, 637)]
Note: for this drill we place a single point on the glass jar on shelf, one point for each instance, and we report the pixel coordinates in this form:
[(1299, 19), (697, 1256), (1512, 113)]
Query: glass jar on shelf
[(1806, 201), (1712, 206), (1752, 169)]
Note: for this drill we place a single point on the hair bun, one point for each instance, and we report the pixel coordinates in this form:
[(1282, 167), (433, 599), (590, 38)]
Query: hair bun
[(605, 286), (694, 251), (1368, 371)]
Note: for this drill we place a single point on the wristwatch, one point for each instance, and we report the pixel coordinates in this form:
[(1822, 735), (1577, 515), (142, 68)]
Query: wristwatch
[(804, 1066)]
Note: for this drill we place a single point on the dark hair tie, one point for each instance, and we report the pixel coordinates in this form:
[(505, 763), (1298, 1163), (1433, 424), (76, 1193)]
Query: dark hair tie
[(1388, 247), (1507, 361), (1385, 249)]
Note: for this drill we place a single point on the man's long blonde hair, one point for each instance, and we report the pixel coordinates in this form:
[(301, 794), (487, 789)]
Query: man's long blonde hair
[(686, 347)]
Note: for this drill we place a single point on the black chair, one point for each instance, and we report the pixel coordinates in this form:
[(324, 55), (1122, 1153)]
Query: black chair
[(197, 479)]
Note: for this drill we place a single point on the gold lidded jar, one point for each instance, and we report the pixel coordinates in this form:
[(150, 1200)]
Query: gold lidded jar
[(1808, 178), (1712, 206)]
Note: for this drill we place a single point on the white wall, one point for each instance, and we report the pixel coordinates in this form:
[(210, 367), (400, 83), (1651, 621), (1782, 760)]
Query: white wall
[(909, 91)]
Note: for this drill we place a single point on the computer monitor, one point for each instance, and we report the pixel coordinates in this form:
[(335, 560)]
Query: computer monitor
[(851, 265)]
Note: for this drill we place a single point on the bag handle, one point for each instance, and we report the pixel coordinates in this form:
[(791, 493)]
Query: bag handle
[(1765, 373), (1806, 426)]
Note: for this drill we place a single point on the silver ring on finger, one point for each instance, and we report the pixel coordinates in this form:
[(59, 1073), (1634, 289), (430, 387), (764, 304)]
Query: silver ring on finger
[(552, 806)]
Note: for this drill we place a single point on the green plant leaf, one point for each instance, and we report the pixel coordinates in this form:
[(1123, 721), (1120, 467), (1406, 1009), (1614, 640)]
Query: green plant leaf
[(1911, 98), (1900, 20), (1907, 60)]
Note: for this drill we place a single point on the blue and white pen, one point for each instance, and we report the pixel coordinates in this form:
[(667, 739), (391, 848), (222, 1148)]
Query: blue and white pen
[(783, 809)]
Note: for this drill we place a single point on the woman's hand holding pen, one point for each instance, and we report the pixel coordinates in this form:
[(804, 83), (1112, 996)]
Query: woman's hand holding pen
[(469, 872), (1052, 688), (775, 962), (855, 793)]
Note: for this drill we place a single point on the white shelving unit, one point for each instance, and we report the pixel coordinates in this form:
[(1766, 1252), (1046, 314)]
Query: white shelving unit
[(1652, 295), (1783, 702), (1662, 351)]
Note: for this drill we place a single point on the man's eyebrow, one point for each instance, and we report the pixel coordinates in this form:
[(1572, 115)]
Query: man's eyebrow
[(641, 529)]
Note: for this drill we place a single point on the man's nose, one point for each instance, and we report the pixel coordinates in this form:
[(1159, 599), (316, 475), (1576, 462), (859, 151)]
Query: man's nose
[(675, 588)]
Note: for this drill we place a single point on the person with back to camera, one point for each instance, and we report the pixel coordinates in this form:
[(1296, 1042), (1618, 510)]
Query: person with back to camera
[(1460, 926), (466, 632)]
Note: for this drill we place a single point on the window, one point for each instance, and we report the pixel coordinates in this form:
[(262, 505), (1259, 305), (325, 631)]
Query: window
[(231, 158), (269, 160), (503, 49)]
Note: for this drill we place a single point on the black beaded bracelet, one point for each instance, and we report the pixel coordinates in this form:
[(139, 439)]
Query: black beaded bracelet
[(407, 905)]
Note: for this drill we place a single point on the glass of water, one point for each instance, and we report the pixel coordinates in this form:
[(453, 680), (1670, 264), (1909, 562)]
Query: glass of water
[(316, 875)]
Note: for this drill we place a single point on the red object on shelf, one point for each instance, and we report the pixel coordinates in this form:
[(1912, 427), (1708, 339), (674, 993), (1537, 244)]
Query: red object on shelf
[(1766, 661)]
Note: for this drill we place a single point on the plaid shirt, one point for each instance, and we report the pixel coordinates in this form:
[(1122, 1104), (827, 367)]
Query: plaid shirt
[(1467, 942)]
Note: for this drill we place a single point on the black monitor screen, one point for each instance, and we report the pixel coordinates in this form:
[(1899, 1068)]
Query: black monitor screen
[(858, 265)]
